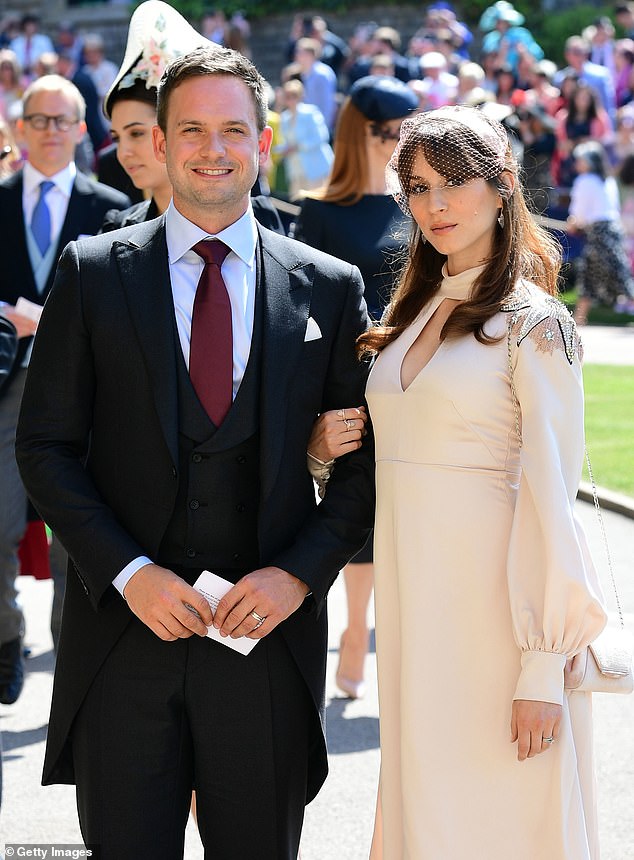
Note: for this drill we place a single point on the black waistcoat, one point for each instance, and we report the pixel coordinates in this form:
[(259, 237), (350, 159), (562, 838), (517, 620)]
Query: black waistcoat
[(215, 519)]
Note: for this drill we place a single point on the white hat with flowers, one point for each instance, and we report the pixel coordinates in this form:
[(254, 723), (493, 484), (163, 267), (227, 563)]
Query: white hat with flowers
[(157, 35)]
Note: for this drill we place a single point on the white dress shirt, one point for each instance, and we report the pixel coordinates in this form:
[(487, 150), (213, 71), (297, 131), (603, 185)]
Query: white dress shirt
[(56, 199), (594, 199), (239, 275)]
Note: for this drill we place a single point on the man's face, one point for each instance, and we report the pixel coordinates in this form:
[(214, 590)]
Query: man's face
[(51, 150), (575, 57), (212, 149)]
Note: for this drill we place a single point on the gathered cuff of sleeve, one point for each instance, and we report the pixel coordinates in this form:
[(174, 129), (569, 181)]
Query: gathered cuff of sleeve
[(542, 677)]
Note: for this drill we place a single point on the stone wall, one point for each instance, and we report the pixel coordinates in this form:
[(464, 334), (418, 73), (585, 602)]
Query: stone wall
[(269, 35)]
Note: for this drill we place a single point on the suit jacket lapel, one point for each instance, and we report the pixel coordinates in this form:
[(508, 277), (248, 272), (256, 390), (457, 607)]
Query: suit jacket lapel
[(286, 284), (151, 306)]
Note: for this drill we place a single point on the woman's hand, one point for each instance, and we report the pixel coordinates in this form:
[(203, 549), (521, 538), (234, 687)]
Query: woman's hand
[(337, 432), (535, 726)]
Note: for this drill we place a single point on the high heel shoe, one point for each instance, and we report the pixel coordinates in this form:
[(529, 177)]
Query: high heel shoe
[(354, 689)]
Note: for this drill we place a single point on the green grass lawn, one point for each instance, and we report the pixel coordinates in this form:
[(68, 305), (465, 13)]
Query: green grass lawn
[(599, 314), (610, 425)]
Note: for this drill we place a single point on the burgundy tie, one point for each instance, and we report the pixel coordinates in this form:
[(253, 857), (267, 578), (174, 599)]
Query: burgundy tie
[(211, 345)]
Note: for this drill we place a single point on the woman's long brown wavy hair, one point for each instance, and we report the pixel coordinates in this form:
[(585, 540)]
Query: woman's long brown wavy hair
[(349, 172), (520, 249)]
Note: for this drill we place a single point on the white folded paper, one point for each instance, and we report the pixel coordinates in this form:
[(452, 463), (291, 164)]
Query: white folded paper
[(213, 588), (28, 309)]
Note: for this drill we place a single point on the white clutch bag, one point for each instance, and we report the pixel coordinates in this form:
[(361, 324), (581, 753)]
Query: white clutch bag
[(605, 666)]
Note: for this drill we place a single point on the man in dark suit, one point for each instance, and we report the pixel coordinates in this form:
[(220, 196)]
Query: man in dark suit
[(147, 481), (42, 208)]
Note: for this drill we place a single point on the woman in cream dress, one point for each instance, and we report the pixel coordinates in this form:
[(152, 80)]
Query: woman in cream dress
[(484, 586)]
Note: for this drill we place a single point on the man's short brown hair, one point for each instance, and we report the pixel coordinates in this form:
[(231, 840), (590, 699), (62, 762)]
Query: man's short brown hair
[(212, 61)]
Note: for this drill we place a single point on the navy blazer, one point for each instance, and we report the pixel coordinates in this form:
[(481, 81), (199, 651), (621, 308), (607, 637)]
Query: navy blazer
[(89, 202)]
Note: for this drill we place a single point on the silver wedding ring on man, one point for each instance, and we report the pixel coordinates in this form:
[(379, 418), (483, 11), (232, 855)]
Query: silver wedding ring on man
[(259, 618)]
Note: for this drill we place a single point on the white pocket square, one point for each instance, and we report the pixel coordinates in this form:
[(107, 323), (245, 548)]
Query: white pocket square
[(313, 332)]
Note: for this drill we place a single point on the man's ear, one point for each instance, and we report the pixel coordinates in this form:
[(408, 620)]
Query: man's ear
[(264, 142), (158, 141), (82, 128)]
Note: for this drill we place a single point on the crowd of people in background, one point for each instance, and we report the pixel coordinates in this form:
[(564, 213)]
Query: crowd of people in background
[(499, 67)]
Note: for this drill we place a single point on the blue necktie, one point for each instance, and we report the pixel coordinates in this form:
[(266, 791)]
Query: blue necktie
[(41, 220)]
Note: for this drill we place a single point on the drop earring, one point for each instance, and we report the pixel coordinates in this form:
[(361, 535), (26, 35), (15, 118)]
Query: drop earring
[(501, 218), (423, 238)]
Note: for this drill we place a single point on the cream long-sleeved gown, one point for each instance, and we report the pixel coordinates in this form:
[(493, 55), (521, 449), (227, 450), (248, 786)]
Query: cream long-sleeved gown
[(483, 588)]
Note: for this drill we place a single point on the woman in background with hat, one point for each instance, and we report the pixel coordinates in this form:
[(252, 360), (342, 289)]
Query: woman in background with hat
[(354, 218), (505, 35), (157, 35)]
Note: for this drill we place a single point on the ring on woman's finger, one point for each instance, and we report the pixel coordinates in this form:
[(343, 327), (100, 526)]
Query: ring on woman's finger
[(349, 422), (548, 740), (341, 413)]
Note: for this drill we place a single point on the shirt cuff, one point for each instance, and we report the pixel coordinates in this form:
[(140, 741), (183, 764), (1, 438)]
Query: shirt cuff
[(121, 580), (320, 472), (542, 677)]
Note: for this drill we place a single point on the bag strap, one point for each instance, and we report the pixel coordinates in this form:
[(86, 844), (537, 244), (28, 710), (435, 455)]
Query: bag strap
[(595, 496)]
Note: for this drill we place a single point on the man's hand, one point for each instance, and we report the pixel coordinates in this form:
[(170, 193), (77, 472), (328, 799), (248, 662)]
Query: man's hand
[(161, 600), (270, 593), (25, 327), (535, 726)]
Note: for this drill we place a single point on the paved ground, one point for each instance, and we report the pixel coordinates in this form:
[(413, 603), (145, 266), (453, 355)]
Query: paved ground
[(608, 344), (339, 822)]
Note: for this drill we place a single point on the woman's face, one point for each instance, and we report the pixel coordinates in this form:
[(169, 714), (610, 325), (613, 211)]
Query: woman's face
[(581, 165), (7, 76), (583, 99), (132, 123), (457, 217), (505, 82)]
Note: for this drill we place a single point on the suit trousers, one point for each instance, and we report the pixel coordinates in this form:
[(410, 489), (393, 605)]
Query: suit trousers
[(12, 511), (163, 718)]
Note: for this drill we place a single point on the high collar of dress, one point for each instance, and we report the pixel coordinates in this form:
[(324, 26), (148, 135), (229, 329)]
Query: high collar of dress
[(458, 286)]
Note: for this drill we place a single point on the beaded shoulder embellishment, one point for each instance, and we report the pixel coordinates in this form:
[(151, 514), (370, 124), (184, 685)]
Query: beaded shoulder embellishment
[(546, 320)]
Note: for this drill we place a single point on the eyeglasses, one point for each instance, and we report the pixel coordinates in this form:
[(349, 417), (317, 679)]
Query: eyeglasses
[(450, 187), (40, 121)]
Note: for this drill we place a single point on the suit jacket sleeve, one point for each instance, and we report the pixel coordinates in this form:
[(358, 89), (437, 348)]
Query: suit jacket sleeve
[(341, 523), (53, 438)]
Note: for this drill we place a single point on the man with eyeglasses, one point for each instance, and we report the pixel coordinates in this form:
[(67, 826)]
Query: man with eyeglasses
[(42, 207)]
